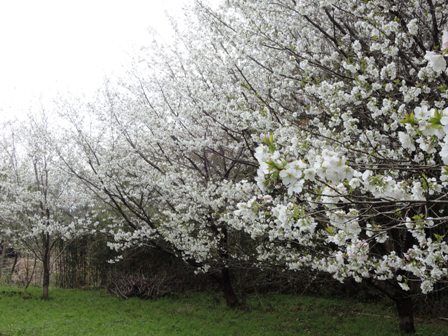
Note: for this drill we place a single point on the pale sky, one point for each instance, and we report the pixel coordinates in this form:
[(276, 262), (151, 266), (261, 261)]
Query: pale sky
[(50, 46)]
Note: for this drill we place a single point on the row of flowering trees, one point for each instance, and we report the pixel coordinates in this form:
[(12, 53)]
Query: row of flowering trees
[(306, 134)]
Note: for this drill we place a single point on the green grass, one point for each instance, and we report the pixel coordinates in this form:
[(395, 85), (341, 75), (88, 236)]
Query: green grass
[(84, 312)]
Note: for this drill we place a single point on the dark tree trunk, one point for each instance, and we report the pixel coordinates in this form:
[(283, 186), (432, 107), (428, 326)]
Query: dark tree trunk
[(45, 282), (2, 258), (227, 287), (46, 268), (405, 311), (14, 264), (29, 277)]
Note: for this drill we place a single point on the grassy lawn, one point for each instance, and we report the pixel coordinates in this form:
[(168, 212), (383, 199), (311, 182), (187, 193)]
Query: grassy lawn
[(78, 312)]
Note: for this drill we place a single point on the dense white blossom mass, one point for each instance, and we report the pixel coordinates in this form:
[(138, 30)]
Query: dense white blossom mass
[(305, 134)]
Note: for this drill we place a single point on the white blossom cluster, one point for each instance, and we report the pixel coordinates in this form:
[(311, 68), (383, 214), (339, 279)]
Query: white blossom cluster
[(309, 134), (40, 204), (357, 175)]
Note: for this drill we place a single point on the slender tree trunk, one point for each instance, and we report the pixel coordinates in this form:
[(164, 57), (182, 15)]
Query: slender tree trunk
[(29, 278), (226, 275), (46, 268), (2, 258), (13, 267), (227, 287), (405, 311), (14, 264), (46, 281)]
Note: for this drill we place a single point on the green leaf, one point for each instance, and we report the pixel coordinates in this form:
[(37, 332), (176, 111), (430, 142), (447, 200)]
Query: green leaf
[(297, 212), (419, 219), (275, 166), (409, 119), (424, 182), (330, 230), (245, 86), (443, 87), (268, 140), (377, 180), (435, 120), (363, 64), (439, 237)]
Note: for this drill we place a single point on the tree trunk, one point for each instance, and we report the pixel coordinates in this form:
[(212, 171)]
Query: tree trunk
[(46, 268), (29, 278), (405, 311), (14, 264), (229, 293), (2, 258), (46, 281)]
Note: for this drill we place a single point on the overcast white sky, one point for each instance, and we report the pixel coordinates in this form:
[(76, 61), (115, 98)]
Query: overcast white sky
[(50, 46)]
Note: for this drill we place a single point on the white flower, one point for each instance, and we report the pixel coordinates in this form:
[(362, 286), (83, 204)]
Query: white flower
[(404, 286), (417, 192), (292, 176), (334, 167), (261, 153), (445, 40), (406, 141), (426, 286), (422, 112), (444, 151), (435, 61), (413, 27)]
